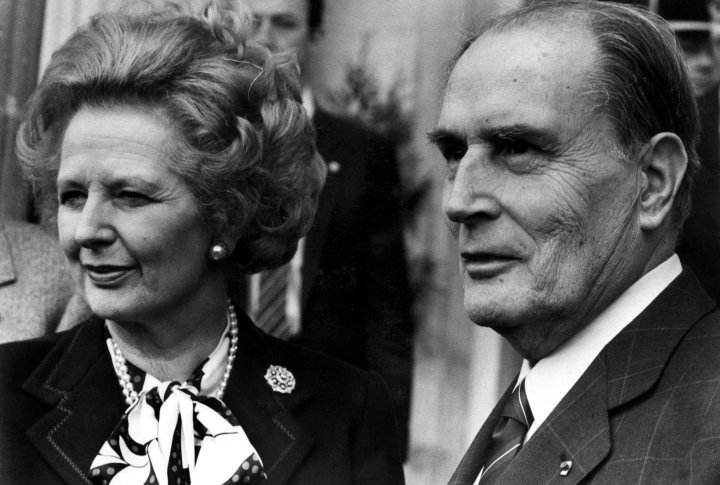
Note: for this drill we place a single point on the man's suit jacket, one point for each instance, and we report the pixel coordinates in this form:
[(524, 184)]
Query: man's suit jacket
[(35, 285), (355, 292), (60, 399), (646, 411)]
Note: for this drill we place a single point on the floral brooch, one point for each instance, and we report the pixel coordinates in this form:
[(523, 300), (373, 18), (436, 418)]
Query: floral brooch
[(280, 379)]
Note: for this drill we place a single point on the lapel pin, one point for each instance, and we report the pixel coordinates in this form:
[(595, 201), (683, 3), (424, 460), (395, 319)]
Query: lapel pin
[(565, 467), (333, 167), (280, 379)]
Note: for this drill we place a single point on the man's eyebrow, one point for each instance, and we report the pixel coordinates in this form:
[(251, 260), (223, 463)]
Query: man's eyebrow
[(530, 133), (440, 136)]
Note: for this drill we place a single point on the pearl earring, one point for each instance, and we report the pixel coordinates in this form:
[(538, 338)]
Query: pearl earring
[(218, 252)]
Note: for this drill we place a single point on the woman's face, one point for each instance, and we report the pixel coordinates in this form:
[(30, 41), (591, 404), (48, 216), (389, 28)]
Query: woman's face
[(129, 225)]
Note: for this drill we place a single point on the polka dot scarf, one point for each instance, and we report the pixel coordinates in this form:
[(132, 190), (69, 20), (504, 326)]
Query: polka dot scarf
[(174, 436)]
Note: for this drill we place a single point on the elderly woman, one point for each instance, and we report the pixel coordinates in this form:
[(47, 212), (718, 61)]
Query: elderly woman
[(175, 155)]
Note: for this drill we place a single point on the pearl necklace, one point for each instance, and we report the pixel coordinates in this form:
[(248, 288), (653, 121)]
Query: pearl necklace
[(121, 368)]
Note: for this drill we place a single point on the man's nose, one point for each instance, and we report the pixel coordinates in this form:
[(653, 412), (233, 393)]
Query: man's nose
[(705, 59), (468, 194), (94, 228), (264, 34)]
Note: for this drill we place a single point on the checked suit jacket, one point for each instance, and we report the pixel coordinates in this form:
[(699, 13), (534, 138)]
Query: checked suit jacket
[(646, 411)]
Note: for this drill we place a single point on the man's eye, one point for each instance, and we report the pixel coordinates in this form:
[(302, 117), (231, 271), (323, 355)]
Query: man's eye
[(510, 146), (286, 23), (453, 152)]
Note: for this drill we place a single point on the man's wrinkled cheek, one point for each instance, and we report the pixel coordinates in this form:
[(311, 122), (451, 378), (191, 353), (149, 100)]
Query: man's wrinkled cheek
[(560, 241)]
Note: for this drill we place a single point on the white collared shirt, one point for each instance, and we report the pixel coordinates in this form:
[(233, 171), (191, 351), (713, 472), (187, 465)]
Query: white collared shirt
[(550, 379), (213, 369)]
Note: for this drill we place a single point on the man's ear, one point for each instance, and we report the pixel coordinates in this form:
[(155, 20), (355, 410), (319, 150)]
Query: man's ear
[(663, 167)]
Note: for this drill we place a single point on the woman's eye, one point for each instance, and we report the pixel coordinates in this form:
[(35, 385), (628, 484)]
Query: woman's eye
[(72, 198), (132, 198)]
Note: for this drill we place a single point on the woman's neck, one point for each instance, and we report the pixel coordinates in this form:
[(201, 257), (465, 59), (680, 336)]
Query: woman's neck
[(171, 347)]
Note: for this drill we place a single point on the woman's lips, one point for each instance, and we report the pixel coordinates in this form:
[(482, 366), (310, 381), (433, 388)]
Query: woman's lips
[(106, 274)]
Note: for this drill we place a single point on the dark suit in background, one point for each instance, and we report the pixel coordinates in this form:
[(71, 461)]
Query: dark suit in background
[(646, 411), (699, 245), (355, 291)]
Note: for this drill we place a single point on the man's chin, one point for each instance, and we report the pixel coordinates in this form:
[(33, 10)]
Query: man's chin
[(498, 319)]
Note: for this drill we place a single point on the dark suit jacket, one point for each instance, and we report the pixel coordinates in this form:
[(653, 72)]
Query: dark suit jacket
[(356, 297), (699, 245), (60, 399), (647, 410)]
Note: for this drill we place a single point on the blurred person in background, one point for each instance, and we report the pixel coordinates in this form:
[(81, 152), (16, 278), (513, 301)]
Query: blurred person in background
[(177, 158), (37, 292), (346, 292), (699, 246)]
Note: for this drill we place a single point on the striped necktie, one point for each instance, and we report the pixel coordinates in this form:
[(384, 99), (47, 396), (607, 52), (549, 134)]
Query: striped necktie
[(271, 317), (508, 435)]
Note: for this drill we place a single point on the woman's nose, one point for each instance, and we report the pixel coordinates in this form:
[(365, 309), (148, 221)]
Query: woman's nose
[(93, 227)]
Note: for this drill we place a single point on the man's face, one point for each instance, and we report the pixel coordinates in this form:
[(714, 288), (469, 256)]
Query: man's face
[(541, 203), (701, 59), (281, 25)]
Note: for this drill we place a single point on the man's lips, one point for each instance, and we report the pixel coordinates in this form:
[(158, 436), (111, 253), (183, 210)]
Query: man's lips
[(481, 264)]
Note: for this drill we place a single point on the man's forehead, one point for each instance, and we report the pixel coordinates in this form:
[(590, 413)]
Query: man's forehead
[(539, 47), (279, 7), (518, 73)]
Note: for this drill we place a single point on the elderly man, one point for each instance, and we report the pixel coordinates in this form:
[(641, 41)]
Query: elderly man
[(569, 131)]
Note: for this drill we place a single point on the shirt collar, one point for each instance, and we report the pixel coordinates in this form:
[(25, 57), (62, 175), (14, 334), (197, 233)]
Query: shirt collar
[(553, 376), (213, 368), (308, 101)]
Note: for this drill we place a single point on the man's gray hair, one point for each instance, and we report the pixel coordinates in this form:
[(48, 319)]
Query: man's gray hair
[(639, 81)]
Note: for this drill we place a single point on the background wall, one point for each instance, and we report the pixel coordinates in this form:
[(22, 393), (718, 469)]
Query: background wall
[(460, 369), (20, 33)]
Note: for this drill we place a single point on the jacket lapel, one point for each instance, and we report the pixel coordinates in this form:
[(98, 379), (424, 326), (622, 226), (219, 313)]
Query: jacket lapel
[(578, 430), (76, 380), (265, 415), (315, 241), (637, 357)]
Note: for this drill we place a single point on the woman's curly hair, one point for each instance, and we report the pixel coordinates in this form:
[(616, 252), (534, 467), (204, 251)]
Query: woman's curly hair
[(246, 148)]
